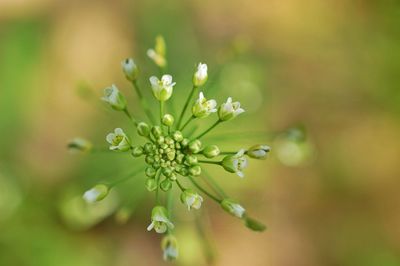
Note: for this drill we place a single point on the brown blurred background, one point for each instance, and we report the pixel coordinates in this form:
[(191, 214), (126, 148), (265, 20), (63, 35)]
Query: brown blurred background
[(328, 67)]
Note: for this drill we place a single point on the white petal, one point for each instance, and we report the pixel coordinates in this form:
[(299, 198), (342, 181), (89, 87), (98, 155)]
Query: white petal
[(240, 174), (110, 137), (154, 81), (166, 79), (119, 131), (151, 226)]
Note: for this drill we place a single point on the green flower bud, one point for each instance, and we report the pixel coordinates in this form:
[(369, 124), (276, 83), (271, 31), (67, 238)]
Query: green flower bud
[(184, 171), (130, 69), (229, 110), (195, 170), (185, 142), (79, 145), (114, 98), (143, 129), (160, 220), (235, 163), (172, 177), (148, 148), (254, 224), (166, 184), (150, 172), (149, 159), (211, 151), (195, 146), (156, 165), (200, 76), (233, 208), (169, 141), (191, 199), (151, 184), (137, 151), (156, 131), (169, 246), (167, 172), (118, 140), (97, 193), (258, 151), (190, 160), (178, 137), (160, 140), (171, 155), (168, 120)]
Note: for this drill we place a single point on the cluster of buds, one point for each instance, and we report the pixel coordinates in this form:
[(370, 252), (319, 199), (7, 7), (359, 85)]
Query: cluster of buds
[(169, 157)]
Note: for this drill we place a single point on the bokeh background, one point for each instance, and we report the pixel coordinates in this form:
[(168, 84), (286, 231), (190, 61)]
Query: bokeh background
[(320, 77)]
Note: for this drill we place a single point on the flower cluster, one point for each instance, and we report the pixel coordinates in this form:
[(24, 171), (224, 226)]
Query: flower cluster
[(171, 156)]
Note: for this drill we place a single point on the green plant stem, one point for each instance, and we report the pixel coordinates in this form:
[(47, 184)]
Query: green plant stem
[(158, 186), (180, 185), (208, 130), (213, 184), (130, 116), (125, 178), (169, 203), (143, 102), (189, 98), (228, 152), (204, 191), (210, 162), (187, 122), (161, 112)]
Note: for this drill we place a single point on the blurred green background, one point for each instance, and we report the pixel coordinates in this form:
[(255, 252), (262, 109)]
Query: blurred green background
[(331, 67)]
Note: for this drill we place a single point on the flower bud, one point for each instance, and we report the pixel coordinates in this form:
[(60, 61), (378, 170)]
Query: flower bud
[(195, 170), (178, 137), (211, 151), (191, 199), (258, 151), (96, 193), (195, 146), (185, 142), (229, 110), (166, 184), (156, 131), (235, 163), (114, 98), (168, 120), (118, 140), (162, 89), (200, 76), (167, 172), (137, 151), (148, 148), (143, 129), (150, 172), (233, 208), (169, 246), (190, 160), (130, 69), (160, 220), (254, 224), (151, 184), (79, 145)]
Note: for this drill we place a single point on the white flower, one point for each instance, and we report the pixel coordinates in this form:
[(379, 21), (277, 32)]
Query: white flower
[(200, 76), (229, 110), (233, 208), (258, 151), (79, 145), (203, 108), (159, 220), (130, 69), (169, 245), (96, 193), (235, 163), (118, 140), (162, 89), (114, 98), (158, 53), (191, 199)]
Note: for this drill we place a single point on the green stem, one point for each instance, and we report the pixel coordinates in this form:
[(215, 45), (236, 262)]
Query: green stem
[(213, 184), (158, 186), (228, 152), (125, 178), (130, 116), (186, 106), (210, 162), (208, 130), (179, 185), (161, 112), (143, 102), (187, 122), (169, 203), (203, 190)]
